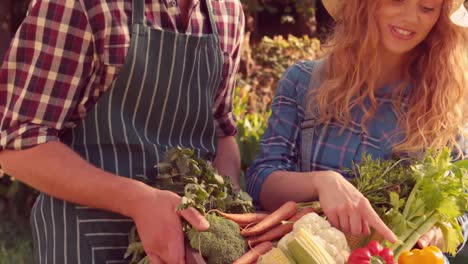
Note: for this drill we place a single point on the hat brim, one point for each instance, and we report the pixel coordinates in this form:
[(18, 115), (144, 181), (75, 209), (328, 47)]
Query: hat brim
[(332, 7), (460, 16)]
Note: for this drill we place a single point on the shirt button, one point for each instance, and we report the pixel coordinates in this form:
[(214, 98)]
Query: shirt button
[(172, 3)]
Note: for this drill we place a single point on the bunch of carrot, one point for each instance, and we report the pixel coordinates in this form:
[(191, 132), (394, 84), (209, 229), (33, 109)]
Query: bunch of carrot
[(261, 229)]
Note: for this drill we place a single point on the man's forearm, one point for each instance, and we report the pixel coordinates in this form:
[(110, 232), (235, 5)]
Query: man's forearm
[(55, 169), (227, 159)]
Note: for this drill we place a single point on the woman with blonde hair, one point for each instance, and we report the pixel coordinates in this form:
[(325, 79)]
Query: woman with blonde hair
[(393, 82)]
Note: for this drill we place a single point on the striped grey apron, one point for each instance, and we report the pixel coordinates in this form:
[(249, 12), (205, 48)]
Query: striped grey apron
[(162, 98)]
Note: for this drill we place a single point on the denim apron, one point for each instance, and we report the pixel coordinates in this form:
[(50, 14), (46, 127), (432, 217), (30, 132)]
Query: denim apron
[(162, 98)]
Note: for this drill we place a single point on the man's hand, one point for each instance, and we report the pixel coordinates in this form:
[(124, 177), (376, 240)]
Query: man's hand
[(433, 237), (160, 227)]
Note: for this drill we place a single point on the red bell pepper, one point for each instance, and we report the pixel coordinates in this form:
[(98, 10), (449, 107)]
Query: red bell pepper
[(372, 253)]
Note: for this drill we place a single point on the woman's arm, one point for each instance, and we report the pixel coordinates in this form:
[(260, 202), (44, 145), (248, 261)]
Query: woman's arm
[(273, 178), (278, 158), (283, 186)]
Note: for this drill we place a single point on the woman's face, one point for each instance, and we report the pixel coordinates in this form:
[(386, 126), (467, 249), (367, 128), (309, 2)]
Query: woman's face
[(403, 24)]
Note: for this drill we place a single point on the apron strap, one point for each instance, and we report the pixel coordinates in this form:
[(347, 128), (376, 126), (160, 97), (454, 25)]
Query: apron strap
[(138, 15), (138, 12), (310, 123), (214, 28), (306, 143)]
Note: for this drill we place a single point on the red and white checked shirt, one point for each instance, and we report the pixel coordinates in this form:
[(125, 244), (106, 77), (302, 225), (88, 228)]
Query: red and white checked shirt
[(67, 53)]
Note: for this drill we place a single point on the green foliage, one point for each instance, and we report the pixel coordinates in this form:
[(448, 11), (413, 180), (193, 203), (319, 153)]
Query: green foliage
[(201, 187), (135, 249), (250, 125), (221, 243), (440, 195), (15, 241), (287, 8), (20, 253), (16, 198), (415, 197), (412, 197), (255, 91), (275, 55), (382, 182), (305, 7), (199, 184)]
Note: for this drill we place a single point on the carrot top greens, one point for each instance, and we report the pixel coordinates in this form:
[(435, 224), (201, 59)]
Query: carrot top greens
[(203, 188), (199, 184)]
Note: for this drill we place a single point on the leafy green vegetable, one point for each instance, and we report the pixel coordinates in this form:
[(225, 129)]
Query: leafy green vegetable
[(382, 181), (414, 196), (200, 186), (437, 199)]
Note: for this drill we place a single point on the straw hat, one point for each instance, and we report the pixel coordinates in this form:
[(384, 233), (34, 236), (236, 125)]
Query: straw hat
[(459, 14)]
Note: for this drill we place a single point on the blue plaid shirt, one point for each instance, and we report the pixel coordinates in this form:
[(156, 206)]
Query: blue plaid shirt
[(281, 143)]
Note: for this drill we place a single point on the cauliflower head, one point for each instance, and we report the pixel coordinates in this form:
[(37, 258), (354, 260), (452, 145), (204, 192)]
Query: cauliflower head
[(332, 240), (312, 222)]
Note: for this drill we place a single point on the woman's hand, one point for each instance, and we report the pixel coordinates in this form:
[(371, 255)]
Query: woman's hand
[(160, 227), (347, 209), (433, 237)]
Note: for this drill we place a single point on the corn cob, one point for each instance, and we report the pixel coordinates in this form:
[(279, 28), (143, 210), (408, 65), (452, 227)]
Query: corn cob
[(305, 250), (275, 256)]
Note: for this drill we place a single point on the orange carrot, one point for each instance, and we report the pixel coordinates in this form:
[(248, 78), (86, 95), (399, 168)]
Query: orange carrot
[(301, 212), (287, 210), (245, 225), (244, 218), (280, 230), (254, 253)]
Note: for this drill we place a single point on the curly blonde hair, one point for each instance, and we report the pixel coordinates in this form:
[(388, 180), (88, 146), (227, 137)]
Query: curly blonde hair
[(436, 71)]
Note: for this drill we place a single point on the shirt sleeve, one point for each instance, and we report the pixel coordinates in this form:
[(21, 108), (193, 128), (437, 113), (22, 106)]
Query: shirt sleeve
[(43, 73), (463, 220), (279, 144), (222, 110)]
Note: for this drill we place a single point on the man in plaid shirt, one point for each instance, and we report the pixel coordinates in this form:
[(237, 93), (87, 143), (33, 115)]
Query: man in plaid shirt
[(91, 90)]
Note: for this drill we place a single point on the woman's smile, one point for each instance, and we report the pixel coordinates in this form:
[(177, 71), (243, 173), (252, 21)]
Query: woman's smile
[(402, 33), (405, 24)]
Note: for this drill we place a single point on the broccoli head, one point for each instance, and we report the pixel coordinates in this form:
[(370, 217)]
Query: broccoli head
[(221, 243)]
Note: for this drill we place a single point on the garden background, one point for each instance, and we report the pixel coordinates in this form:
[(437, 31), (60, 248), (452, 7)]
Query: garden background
[(278, 33)]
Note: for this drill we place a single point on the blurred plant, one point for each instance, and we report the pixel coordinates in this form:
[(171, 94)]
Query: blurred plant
[(256, 87), (16, 198), (250, 124), (275, 55), (15, 241), (15, 234), (287, 8)]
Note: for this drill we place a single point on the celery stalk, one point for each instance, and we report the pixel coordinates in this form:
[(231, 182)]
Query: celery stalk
[(416, 234), (404, 235), (411, 199)]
